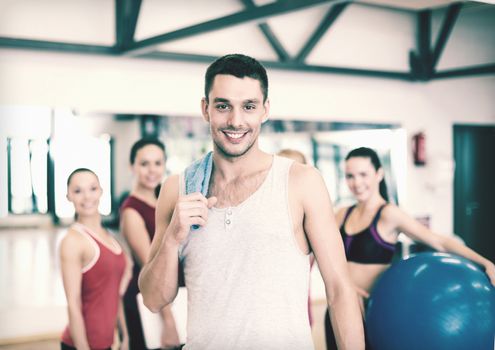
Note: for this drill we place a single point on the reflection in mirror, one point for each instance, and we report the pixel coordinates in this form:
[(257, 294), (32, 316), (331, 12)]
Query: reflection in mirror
[(332, 148), (102, 142), (27, 181), (325, 145)]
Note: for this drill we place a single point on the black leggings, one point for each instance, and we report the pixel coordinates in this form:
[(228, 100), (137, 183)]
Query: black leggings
[(330, 336)]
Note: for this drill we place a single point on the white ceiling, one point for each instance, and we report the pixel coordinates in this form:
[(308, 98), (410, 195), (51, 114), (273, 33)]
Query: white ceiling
[(363, 36)]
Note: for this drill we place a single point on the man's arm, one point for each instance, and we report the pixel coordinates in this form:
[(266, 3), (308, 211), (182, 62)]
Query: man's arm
[(133, 227), (321, 229), (158, 280)]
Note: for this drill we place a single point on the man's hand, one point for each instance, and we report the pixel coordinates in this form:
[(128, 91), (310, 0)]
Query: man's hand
[(191, 209)]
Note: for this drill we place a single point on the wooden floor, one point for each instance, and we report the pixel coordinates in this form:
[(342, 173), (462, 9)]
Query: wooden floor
[(33, 309), (32, 300), (36, 345), (318, 335)]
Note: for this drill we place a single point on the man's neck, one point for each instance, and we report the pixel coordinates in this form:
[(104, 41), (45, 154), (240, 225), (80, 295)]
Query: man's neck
[(230, 168)]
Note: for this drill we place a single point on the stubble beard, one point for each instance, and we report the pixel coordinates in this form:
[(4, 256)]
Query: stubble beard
[(227, 154)]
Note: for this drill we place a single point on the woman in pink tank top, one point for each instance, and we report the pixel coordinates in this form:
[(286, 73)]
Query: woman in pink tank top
[(93, 271)]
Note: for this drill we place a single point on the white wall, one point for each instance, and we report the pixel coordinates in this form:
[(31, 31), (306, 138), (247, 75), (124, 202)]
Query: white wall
[(105, 84), (87, 22), (362, 37)]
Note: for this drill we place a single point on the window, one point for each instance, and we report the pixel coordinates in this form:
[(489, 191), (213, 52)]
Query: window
[(27, 175), (40, 147)]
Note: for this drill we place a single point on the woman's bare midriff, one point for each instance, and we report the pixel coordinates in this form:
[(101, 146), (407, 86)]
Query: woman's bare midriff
[(365, 275)]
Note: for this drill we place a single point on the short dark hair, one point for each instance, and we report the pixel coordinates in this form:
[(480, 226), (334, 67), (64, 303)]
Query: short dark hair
[(142, 143), (80, 170), (239, 66), (365, 152)]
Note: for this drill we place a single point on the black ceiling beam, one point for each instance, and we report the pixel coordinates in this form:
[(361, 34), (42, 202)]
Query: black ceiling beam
[(277, 46), (420, 61), (325, 24), (269, 35), (290, 65), (447, 26), (466, 71), (38, 45), (255, 14), (28, 44), (174, 56), (378, 5), (296, 66), (126, 17), (424, 34)]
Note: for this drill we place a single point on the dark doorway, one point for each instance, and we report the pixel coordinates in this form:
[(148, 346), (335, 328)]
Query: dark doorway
[(474, 187)]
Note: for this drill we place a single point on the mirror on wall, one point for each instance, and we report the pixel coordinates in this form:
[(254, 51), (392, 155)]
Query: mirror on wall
[(102, 141)]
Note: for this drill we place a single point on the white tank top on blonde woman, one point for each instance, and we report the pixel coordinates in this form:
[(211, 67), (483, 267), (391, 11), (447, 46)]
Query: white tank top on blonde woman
[(246, 277)]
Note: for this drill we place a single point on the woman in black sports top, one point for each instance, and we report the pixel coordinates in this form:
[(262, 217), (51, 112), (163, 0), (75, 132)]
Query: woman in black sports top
[(370, 227)]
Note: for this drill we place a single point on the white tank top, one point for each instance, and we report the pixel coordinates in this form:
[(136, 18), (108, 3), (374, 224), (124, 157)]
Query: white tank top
[(246, 277)]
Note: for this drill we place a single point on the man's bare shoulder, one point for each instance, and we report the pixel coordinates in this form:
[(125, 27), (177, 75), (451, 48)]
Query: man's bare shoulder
[(172, 180), (305, 175), (306, 182), (169, 193)]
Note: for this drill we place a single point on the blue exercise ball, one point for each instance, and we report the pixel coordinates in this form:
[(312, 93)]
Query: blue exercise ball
[(432, 301)]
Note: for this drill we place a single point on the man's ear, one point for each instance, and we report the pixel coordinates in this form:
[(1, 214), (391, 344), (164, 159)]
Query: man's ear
[(204, 109), (267, 111)]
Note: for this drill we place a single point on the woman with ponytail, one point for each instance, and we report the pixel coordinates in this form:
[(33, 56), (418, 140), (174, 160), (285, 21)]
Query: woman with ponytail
[(137, 223), (370, 228), (95, 271)]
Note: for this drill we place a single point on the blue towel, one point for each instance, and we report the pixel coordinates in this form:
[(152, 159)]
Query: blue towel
[(197, 177)]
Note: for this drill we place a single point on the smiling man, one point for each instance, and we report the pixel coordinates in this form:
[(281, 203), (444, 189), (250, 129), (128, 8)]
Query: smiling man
[(247, 266)]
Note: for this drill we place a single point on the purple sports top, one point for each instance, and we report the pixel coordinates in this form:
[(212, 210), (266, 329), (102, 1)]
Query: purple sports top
[(366, 246)]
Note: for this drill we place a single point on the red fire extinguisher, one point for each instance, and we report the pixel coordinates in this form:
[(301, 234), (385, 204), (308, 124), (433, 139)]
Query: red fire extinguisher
[(419, 148)]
